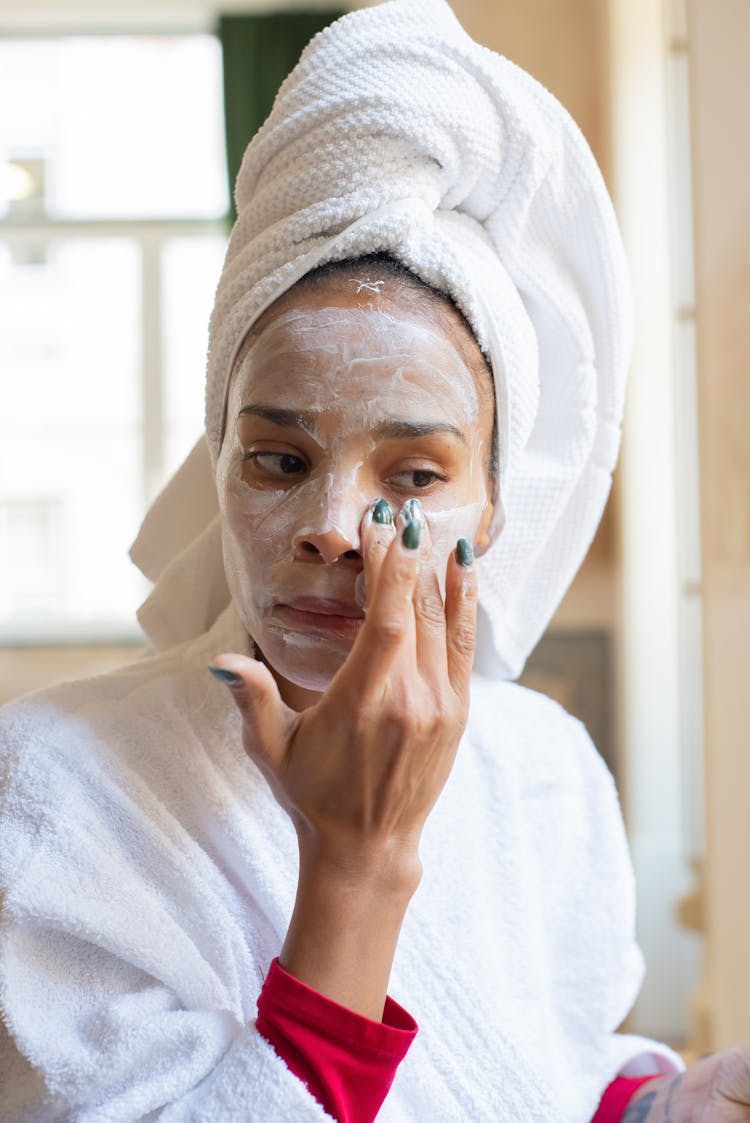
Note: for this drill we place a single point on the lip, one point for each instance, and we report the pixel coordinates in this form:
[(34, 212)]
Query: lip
[(322, 613)]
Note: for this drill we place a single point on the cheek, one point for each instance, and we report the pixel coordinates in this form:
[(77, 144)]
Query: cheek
[(256, 526), (462, 518), (446, 527)]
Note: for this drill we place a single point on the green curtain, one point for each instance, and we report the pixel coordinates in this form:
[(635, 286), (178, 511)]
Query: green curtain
[(258, 52)]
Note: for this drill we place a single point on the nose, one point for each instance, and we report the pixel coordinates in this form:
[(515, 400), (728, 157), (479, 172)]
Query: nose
[(328, 546), (331, 529)]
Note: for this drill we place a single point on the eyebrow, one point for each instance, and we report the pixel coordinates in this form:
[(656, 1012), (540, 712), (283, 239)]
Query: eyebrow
[(286, 418), (394, 429)]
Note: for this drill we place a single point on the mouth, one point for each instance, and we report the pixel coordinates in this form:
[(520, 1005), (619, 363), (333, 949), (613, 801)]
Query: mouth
[(321, 614)]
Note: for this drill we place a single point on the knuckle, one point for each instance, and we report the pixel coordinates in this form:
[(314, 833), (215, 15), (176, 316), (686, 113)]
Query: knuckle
[(442, 712), (461, 713), (422, 720), (252, 710), (452, 723), (430, 610), (462, 641), (404, 710), (389, 630), (403, 567), (469, 591), (411, 725)]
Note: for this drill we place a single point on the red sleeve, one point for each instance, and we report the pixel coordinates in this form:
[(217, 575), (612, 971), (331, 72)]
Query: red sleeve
[(617, 1096), (347, 1061)]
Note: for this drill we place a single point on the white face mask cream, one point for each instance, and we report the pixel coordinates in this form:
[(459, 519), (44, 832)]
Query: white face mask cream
[(329, 410)]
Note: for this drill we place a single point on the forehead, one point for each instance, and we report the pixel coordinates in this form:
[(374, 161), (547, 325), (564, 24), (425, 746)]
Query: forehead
[(315, 355)]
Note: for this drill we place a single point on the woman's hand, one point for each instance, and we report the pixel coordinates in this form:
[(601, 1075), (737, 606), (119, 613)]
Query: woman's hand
[(359, 772), (714, 1090)]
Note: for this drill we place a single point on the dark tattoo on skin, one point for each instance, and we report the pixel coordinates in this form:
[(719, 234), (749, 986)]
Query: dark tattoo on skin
[(638, 1112), (668, 1105), (641, 1111)]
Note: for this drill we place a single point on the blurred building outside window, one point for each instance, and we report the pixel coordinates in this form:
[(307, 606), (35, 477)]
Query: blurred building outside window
[(113, 197)]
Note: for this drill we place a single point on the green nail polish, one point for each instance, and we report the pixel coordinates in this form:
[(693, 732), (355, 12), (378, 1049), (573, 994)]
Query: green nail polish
[(464, 552), (382, 513), (412, 511), (231, 678), (412, 534)]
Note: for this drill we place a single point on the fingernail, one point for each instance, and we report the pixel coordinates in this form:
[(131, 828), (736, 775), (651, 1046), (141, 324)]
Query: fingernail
[(231, 678), (464, 552), (412, 512), (412, 534), (382, 513)]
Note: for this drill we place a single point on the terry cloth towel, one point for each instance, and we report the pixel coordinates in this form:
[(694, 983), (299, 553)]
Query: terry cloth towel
[(148, 877), (397, 132)]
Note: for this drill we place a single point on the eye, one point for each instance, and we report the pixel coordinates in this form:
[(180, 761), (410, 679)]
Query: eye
[(416, 478), (277, 463)]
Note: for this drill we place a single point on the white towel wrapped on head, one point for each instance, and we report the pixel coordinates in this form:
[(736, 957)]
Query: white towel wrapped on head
[(397, 132)]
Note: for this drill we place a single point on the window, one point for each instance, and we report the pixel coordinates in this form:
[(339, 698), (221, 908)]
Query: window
[(113, 198)]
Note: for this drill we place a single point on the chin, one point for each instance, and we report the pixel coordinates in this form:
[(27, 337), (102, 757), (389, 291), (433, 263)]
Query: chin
[(307, 661)]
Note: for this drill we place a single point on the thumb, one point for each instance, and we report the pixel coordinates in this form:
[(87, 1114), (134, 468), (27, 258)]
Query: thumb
[(265, 717)]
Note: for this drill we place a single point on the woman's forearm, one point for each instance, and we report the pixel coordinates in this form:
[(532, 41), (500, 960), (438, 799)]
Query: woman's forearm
[(359, 770), (346, 923)]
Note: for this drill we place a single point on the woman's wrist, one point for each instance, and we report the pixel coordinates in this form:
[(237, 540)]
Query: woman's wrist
[(346, 923), (384, 867)]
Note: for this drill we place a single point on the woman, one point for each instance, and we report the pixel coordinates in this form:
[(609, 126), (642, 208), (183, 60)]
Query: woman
[(417, 354)]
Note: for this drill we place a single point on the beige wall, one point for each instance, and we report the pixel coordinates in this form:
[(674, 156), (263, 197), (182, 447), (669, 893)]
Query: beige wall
[(651, 690), (719, 35), (29, 668), (563, 43), (652, 187)]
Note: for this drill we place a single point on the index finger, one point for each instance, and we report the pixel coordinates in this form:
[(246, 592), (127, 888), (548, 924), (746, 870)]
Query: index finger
[(388, 629), (376, 534)]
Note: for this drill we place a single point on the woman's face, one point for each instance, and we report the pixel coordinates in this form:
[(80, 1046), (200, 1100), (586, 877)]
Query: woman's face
[(343, 397)]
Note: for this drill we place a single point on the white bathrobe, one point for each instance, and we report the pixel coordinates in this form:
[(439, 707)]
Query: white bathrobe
[(149, 877)]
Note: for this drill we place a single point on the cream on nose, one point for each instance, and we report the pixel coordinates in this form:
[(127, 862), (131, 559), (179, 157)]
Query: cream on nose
[(330, 545), (333, 530)]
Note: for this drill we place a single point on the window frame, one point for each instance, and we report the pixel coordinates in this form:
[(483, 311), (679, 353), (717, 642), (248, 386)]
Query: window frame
[(150, 236)]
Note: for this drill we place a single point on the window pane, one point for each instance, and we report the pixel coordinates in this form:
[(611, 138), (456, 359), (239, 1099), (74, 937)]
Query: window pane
[(70, 432), (116, 126), (190, 272)]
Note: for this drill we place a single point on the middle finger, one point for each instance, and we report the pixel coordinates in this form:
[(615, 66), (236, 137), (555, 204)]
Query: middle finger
[(376, 534)]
